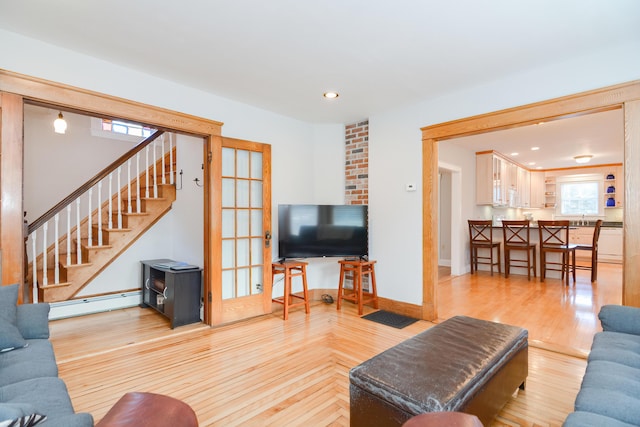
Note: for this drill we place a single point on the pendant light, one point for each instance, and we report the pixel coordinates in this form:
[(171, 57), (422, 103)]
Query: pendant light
[(60, 124)]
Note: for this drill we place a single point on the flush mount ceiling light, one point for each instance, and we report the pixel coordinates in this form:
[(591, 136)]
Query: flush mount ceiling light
[(583, 159), (60, 124), (331, 95)]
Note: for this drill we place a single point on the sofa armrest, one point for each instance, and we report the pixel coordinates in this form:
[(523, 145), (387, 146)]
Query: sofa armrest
[(32, 320), (620, 318)]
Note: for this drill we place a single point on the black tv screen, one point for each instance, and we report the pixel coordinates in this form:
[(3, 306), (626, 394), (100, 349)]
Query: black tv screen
[(306, 231)]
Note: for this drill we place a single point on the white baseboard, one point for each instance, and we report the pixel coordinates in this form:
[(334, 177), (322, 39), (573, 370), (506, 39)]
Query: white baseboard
[(444, 262), (60, 310)]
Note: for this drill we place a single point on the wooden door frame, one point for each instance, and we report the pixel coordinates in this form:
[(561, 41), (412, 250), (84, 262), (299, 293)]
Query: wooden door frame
[(625, 96), (16, 88)]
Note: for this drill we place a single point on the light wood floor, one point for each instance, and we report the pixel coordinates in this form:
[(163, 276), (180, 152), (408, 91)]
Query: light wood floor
[(558, 317), (269, 372)]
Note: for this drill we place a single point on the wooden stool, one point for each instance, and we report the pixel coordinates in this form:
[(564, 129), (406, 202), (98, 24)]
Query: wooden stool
[(291, 269), (358, 296)]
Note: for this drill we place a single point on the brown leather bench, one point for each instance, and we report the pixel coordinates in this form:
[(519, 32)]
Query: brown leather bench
[(149, 409), (462, 364)]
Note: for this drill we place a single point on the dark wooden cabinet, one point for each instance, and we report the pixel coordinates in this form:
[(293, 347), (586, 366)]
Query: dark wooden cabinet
[(176, 293)]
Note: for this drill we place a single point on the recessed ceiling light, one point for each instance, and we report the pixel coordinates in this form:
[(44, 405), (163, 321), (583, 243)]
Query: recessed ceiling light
[(331, 95), (583, 159), (514, 154), (535, 148), (538, 167), (532, 163)]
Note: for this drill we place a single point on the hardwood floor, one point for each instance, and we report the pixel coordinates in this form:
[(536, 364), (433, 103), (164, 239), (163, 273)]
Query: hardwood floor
[(266, 371), (558, 317)]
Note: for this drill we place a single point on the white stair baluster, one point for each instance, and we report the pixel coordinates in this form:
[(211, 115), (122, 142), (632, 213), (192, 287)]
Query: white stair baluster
[(90, 221), (146, 170), (119, 200), (138, 202), (171, 170), (69, 234), (100, 213), (56, 250), (129, 185), (45, 279), (162, 151), (155, 173), (78, 233), (110, 217), (34, 266)]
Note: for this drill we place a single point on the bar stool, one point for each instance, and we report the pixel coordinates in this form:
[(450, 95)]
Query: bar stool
[(554, 237), (291, 269), (593, 248), (358, 296), (481, 237), (516, 237)]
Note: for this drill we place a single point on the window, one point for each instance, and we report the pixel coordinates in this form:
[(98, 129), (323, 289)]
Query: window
[(125, 128), (580, 195)]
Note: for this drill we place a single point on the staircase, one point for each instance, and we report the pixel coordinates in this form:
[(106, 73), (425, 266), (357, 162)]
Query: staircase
[(83, 251)]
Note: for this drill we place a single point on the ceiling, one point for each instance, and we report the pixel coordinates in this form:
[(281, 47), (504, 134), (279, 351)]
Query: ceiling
[(282, 55), (600, 135)]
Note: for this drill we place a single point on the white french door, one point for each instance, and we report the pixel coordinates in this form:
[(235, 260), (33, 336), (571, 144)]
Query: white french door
[(245, 222)]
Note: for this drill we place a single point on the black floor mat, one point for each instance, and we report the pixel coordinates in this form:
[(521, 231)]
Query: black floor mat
[(390, 319)]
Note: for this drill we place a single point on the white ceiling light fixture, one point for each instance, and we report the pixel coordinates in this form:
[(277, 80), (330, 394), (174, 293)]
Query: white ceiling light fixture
[(331, 95), (60, 124), (583, 159)]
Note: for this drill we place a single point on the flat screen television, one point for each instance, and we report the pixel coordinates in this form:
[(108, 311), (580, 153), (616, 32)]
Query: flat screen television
[(306, 231)]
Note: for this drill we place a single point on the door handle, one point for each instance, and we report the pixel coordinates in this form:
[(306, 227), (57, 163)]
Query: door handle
[(267, 238)]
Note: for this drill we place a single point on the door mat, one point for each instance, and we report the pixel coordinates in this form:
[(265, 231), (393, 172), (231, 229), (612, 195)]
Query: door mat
[(394, 320)]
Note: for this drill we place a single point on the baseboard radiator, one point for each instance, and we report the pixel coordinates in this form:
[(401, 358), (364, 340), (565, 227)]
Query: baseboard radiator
[(79, 307)]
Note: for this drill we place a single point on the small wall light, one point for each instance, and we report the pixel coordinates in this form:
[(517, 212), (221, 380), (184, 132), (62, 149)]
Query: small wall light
[(331, 95), (583, 159), (60, 124)]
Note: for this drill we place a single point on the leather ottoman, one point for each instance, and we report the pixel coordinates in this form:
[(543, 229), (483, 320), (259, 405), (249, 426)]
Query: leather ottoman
[(462, 364)]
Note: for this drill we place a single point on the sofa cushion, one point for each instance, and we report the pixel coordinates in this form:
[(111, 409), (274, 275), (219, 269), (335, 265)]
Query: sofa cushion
[(33, 320), (48, 396), (616, 347), (588, 419), (10, 336), (10, 411), (620, 318), (8, 302), (609, 403), (34, 361)]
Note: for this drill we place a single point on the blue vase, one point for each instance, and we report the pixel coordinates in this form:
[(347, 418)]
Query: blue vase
[(611, 189), (611, 202)]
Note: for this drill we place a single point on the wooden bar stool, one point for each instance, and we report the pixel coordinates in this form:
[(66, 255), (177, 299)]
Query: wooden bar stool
[(358, 296), (291, 269), (517, 237), (554, 238), (481, 237)]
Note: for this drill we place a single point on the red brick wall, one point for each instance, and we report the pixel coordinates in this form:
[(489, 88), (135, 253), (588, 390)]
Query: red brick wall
[(356, 168)]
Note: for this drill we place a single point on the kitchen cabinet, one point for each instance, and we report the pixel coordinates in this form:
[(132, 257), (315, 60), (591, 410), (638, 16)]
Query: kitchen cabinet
[(496, 180), (537, 190), (610, 245), (524, 188), (550, 192)]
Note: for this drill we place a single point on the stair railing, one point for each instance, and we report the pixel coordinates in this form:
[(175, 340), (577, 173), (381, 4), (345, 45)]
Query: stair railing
[(48, 243)]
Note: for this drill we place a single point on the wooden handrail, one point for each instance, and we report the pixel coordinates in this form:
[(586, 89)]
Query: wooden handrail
[(93, 181)]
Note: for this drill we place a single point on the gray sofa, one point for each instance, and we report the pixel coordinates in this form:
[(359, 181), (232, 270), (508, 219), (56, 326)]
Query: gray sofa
[(610, 391), (30, 391)]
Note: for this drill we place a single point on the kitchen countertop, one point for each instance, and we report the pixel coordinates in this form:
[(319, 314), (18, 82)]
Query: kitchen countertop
[(577, 224)]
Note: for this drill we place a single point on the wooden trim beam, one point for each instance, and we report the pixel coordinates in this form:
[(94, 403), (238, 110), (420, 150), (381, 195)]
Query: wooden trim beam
[(625, 96)]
